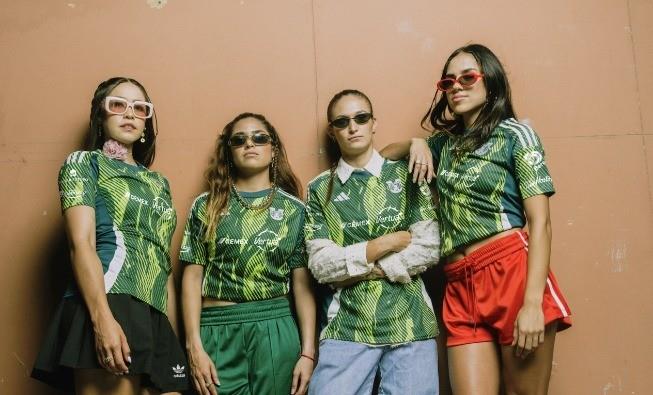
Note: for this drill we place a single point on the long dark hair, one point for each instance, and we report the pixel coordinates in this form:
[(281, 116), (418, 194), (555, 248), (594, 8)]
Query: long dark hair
[(221, 171), (143, 152), (498, 105), (332, 148)]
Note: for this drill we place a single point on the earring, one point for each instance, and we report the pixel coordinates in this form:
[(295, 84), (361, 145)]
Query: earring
[(273, 166), (143, 137)]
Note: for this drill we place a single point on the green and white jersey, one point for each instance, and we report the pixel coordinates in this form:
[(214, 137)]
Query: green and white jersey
[(481, 193), (366, 204), (134, 220), (253, 251)]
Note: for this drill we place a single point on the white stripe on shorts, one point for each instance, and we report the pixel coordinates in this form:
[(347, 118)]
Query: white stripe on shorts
[(556, 298)]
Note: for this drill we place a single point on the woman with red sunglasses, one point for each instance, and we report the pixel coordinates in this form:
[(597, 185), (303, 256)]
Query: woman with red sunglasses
[(502, 305)]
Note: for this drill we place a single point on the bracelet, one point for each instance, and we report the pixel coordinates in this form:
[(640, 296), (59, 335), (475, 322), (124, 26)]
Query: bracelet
[(306, 356)]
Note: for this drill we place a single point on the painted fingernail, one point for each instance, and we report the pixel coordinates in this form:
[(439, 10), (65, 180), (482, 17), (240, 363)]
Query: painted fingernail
[(129, 359)]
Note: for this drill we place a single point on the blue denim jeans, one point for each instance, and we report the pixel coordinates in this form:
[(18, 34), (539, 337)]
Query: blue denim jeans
[(349, 368)]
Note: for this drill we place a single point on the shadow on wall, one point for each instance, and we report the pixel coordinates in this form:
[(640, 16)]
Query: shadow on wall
[(53, 275), (55, 271), (51, 282)]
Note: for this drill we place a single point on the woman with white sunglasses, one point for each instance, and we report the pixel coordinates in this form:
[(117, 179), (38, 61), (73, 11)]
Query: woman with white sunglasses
[(112, 332)]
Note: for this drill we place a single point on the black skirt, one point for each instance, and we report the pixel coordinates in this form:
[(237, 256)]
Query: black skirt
[(155, 351)]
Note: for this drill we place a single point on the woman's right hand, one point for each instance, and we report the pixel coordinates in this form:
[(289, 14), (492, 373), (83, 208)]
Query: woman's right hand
[(111, 346), (399, 240), (202, 369), (420, 161)]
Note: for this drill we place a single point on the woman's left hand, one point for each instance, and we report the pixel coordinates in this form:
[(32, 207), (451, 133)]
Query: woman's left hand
[(528, 333), (301, 375)]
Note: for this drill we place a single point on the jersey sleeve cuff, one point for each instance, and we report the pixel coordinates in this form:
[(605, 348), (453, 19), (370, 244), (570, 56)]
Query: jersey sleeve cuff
[(190, 260), (394, 269), (356, 259), (544, 191)]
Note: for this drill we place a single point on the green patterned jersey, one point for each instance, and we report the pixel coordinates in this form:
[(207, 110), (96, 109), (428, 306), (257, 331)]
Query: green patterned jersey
[(253, 251), (481, 193), (134, 220), (363, 208)]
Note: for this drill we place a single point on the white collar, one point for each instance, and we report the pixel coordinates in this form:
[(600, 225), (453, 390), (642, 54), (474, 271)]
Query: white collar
[(374, 166)]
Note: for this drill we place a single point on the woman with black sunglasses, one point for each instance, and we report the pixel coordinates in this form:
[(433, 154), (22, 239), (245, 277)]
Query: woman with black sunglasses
[(111, 334), (370, 233), (492, 179), (243, 247)]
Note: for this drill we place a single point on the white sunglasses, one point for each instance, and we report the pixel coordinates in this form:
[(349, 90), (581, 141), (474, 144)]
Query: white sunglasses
[(119, 106)]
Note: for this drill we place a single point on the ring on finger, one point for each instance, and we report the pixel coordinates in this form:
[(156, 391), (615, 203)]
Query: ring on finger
[(107, 359)]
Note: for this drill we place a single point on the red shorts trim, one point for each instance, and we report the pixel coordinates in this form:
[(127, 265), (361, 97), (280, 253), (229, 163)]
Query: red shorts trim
[(485, 291)]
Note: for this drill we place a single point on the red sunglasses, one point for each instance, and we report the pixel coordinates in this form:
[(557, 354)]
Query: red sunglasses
[(465, 80)]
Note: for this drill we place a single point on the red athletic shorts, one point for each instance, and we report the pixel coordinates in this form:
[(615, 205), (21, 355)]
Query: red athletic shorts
[(485, 291)]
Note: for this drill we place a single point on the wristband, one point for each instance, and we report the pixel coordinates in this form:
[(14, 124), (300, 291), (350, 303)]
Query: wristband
[(306, 356)]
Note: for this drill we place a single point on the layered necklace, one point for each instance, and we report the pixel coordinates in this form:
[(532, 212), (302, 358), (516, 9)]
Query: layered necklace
[(268, 199), (265, 203)]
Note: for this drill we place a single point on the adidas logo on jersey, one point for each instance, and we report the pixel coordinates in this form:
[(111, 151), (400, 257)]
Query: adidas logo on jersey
[(341, 197)]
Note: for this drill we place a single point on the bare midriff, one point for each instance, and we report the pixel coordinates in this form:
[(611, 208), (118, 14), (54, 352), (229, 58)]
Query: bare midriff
[(213, 302), (467, 249)]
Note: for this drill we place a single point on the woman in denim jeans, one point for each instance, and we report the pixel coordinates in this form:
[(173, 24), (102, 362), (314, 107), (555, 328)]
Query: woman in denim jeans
[(370, 233)]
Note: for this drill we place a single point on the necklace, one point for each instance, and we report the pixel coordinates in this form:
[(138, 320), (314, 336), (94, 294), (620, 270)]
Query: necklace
[(268, 199), (265, 203)]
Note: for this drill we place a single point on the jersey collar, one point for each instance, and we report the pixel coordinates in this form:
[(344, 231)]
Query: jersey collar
[(344, 169)]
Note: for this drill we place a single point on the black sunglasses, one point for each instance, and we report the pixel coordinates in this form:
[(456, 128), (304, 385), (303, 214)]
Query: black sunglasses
[(258, 138), (342, 122)]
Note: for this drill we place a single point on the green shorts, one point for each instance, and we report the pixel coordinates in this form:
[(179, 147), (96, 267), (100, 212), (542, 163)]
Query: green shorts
[(254, 345)]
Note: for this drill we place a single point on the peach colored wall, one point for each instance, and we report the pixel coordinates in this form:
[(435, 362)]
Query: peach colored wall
[(580, 70)]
